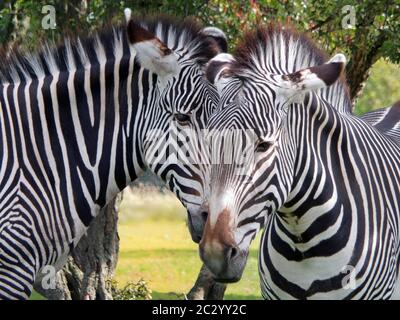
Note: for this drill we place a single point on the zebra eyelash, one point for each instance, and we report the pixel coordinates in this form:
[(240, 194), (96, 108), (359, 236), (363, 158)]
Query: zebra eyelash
[(263, 146), (182, 118)]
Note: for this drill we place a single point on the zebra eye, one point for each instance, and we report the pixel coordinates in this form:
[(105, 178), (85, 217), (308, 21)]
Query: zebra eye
[(182, 118), (263, 146)]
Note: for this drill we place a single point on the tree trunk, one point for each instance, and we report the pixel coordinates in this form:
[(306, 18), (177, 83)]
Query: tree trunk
[(92, 263), (365, 51), (358, 68), (206, 288)]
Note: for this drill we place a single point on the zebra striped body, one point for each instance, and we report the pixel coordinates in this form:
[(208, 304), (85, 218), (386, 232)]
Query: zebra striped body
[(323, 183), (80, 122), (386, 120), (340, 220)]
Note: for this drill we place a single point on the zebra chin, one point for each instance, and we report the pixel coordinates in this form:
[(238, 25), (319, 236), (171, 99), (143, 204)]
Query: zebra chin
[(225, 260), (226, 267)]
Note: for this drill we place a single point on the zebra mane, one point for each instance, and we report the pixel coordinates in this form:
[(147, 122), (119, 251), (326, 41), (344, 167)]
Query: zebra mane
[(281, 49), (77, 52)]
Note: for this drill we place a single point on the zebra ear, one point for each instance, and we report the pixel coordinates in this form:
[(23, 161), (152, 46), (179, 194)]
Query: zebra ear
[(315, 77), (219, 68), (218, 35), (151, 52)]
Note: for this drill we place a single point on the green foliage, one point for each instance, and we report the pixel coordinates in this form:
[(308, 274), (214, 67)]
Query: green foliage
[(382, 87), (376, 36), (131, 291), (321, 17)]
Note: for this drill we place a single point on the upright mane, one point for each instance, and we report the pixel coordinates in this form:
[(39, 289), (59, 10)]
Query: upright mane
[(105, 44), (281, 49)]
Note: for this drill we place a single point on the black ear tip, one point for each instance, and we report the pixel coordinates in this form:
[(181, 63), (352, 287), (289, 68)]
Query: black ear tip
[(223, 44), (133, 26), (219, 36), (216, 68), (211, 73), (219, 66), (136, 33), (331, 73)]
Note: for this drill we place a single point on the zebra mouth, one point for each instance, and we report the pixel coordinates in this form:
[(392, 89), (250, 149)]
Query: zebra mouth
[(195, 238)]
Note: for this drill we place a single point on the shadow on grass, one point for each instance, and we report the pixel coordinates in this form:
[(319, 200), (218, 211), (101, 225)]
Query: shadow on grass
[(176, 296), (170, 296), (242, 297), (167, 253)]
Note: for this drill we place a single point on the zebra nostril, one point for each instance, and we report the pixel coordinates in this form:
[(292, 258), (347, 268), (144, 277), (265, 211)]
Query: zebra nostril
[(204, 215), (233, 253)]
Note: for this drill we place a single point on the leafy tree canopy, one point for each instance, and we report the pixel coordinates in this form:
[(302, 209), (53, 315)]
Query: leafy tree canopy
[(374, 35)]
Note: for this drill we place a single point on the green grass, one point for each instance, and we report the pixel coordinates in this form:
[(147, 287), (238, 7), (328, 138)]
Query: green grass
[(36, 296)]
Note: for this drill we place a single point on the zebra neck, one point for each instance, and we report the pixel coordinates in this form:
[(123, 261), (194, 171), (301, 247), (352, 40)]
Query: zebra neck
[(341, 213), (76, 134), (314, 128), (103, 118)]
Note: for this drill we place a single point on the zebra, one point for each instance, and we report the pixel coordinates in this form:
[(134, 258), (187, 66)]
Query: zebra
[(80, 121), (386, 120), (323, 183)]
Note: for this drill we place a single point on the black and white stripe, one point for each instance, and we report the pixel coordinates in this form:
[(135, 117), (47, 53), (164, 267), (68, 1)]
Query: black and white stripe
[(324, 183), (80, 122)]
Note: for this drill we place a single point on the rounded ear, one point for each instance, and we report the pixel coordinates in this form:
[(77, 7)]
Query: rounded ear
[(218, 67), (153, 54), (316, 77), (294, 85), (218, 35)]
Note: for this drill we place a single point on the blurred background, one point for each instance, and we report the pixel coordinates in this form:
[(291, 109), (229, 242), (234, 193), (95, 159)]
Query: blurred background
[(156, 252)]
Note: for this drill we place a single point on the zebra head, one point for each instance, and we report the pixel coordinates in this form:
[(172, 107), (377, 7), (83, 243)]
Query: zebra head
[(175, 56), (251, 152)]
